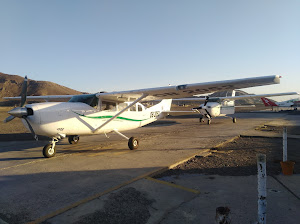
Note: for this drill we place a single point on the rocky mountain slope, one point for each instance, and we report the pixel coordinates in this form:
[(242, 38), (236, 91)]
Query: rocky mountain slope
[(11, 85)]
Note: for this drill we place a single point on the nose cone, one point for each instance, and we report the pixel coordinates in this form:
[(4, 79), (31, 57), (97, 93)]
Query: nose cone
[(18, 112)]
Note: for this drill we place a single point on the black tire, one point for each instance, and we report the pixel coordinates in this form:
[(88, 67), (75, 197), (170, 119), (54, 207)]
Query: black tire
[(73, 139), (234, 120), (48, 151), (208, 122), (201, 120), (133, 143)]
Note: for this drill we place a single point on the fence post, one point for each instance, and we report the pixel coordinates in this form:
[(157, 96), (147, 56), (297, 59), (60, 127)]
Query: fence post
[(284, 144), (262, 188)]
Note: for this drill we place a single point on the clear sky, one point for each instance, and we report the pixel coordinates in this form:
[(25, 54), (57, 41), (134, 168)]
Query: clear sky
[(118, 45)]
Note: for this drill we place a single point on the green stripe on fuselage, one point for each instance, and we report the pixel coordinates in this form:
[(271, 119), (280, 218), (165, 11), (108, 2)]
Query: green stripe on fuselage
[(109, 116)]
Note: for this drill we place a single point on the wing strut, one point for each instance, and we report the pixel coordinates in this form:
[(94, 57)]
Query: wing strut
[(122, 111)]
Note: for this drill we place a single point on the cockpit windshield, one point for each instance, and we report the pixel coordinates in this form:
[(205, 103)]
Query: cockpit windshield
[(93, 101), (89, 99)]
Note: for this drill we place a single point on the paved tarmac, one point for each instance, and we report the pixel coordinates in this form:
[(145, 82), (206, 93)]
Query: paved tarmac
[(100, 181)]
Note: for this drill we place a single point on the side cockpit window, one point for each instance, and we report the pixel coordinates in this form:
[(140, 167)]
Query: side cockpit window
[(140, 108), (108, 106), (133, 108)]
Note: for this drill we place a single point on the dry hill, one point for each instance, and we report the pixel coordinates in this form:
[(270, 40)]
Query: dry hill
[(11, 85)]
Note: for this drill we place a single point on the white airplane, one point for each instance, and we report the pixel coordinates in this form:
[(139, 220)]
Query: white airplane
[(224, 106), (106, 112), (289, 103)]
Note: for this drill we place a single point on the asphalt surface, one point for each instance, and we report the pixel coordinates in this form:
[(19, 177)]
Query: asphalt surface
[(100, 180)]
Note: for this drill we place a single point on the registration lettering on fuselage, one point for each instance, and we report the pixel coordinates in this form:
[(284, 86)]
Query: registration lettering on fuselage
[(154, 114)]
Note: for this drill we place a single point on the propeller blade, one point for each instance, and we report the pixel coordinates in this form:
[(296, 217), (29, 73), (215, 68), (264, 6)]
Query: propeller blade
[(31, 129), (206, 100), (24, 92), (8, 119)]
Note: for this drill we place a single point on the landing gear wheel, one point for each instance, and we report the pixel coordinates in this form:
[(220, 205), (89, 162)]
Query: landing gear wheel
[(201, 120), (234, 120), (208, 122), (133, 143), (73, 139), (49, 151)]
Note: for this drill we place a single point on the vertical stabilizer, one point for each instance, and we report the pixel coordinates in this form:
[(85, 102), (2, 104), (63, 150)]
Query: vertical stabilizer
[(267, 102), (164, 105), (233, 93), (231, 103)]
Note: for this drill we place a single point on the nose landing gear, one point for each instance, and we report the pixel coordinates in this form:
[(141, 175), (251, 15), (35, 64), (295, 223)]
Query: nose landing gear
[(49, 149)]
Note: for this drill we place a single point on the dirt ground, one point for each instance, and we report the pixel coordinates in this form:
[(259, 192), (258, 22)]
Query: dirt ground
[(238, 158)]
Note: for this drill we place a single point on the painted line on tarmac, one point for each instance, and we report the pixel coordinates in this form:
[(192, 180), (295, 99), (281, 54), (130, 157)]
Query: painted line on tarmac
[(173, 185), (35, 161), (64, 154), (62, 210)]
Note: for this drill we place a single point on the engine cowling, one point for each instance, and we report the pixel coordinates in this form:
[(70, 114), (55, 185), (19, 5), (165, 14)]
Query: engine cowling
[(212, 109)]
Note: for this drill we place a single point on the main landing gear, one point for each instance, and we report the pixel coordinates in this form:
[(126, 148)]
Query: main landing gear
[(208, 119), (133, 143), (73, 139), (50, 149)]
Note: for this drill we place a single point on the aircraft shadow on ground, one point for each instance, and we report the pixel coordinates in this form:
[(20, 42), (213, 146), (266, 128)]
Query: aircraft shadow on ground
[(20, 137), (18, 145), (20, 159), (161, 123)]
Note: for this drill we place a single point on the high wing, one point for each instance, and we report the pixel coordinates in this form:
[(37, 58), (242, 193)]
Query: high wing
[(236, 97), (170, 92), (188, 90), (256, 96), (46, 98)]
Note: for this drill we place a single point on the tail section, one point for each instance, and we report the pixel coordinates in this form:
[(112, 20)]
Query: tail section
[(268, 102), (233, 93), (163, 106), (229, 102)]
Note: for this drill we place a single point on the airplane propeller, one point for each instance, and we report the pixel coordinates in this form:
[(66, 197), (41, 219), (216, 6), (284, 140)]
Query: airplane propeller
[(22, 112), (206, 100), (204, 107)]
